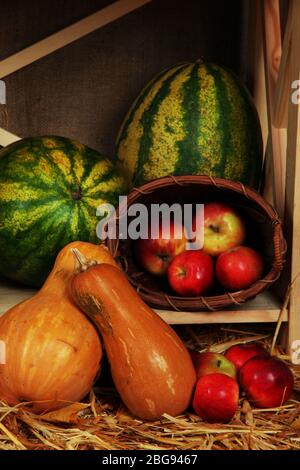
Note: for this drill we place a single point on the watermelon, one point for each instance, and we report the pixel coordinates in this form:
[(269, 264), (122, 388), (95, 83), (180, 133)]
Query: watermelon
[(50, 188), (194, 118)]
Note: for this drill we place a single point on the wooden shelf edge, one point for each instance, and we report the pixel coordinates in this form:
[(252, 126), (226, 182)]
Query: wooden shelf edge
[(222, 316), (265, 308)]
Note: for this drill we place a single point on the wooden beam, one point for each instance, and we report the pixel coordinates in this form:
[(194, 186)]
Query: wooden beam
[(7, 138), (258, 67), (267, 189), (272, 39), (260, 95), (292, 219), (256, 80), (223, 317), (281, 94), (277, 137), (68, 35)]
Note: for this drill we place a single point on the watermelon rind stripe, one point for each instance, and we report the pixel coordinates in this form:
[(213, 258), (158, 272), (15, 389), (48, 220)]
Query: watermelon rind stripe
[(188, 151), (223, 124), (122, 135), (147, 120)]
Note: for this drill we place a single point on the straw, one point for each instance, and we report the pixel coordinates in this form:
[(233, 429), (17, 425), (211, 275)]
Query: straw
[(103, 423)]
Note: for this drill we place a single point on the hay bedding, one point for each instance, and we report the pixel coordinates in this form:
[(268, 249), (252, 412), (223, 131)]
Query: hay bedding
[(102, 422)]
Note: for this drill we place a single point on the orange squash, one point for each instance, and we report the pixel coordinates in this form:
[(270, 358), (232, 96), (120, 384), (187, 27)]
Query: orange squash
[(53, 352), (151, 368)]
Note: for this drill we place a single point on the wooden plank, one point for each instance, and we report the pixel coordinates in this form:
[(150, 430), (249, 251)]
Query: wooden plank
[(7, 138), (268, 177), (277, 148), (260, 100), (277, 137), (272, 40), (256, 80), (11, 295), (68, 35), (281, 94), (258, 69), (264, 308), (222, 317), (293, 182)]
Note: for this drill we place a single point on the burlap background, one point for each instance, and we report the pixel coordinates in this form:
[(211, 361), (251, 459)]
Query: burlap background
[(84, 90)]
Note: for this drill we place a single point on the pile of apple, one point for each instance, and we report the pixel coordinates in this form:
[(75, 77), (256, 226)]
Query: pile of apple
[(267, 381), (223, 256)]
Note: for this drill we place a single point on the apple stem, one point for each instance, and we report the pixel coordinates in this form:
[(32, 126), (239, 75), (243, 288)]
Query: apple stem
[(214, 228), (181, 272)]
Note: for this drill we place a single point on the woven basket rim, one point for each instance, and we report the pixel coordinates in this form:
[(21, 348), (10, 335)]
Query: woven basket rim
[(162, 300)]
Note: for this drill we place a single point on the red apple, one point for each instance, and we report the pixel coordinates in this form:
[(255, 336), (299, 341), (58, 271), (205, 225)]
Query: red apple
[(155, 254), (223, 228), (211, 363), (191, 273), (238, 268), (216, 398), (267, 381), (240, 353)]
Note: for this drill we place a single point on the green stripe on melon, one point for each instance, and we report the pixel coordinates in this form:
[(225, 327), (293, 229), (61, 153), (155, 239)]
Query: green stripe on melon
[(50, 188), (192, 119)]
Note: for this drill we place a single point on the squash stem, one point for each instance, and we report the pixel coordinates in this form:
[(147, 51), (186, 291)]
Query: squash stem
[(82, 263)]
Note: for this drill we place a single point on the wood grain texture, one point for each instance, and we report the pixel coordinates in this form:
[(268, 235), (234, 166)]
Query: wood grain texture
[(257, 78), (292, 219), (258, 72), (231, 316), (84, 90), (281, 95), (265, 308), (277, 137)]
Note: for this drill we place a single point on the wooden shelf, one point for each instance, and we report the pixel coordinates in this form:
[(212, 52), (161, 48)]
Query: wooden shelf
[(264, 308), (11, 295)]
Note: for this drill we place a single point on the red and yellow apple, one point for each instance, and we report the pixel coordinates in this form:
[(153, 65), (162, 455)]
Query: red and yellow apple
[(211, 363), (191, 273), (267, 381), (223, 228), (239, 267), (156, 253), (241, 353), (216, 398)]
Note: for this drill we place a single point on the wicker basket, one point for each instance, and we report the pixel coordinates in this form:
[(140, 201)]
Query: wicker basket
[(264, 233)]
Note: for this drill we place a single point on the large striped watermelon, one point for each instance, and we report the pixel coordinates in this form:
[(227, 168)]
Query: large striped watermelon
[(192, 119), (50, 188)]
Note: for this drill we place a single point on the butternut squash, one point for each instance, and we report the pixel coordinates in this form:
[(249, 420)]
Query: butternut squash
[(53, 352), (151, 368)]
